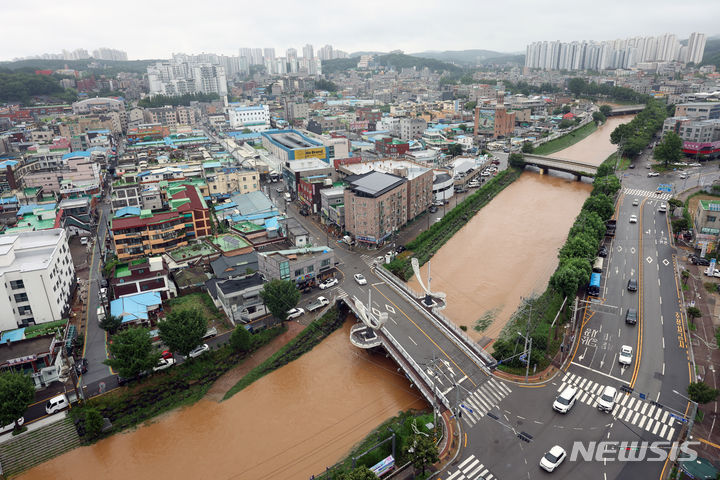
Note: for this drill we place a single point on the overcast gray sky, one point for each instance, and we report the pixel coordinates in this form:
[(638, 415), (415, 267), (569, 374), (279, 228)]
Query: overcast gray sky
[(157, 28)]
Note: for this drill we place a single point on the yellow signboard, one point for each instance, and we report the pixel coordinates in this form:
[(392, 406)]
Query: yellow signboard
[(317, 152)]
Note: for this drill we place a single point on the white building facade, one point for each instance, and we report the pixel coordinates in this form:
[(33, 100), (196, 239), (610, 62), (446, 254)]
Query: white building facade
[(37, 276), (255, 118)]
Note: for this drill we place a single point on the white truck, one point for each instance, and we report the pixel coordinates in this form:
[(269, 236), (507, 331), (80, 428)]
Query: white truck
[(318, 303)]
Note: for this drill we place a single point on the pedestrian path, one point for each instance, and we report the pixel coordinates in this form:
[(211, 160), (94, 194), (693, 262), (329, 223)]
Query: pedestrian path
[(636, 192), (483, 399), (472, 469), (628, 408)]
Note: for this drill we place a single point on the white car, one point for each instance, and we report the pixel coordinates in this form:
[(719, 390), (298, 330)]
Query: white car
[(199, 350), (565, 401), (694, 165), (163, 364), (663, 208), (56, 403), (330, 282), (606, 401), (10, 426), (295, 313), (625, 357), (552, 459), (360, 279), (683, 175), (633, 218), (653, 174), (636, 202)]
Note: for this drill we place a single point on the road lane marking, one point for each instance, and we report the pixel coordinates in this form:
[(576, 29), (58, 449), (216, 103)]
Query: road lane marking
[(600, 373), (414, 343)]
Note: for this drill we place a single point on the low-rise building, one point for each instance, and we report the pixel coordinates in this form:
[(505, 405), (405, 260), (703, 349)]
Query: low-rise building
[(137, 309), (254, 117), (142, 275), (301, 265), (239, 297), (37, 277), (38, 356)]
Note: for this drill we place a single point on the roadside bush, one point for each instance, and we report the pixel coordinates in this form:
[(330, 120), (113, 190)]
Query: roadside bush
[(93, 423), (240, 339)]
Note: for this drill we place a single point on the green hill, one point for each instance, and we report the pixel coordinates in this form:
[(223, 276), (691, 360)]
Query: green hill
[(712, 52), (102, 66), (394, 60)]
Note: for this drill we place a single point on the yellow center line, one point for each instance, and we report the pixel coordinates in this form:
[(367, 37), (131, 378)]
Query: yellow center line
[(428, 337), (708, 442), (465, 446), (639, 343)]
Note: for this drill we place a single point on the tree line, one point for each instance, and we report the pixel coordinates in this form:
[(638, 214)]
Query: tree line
[(581, 87), (22, 86), (636, 135)]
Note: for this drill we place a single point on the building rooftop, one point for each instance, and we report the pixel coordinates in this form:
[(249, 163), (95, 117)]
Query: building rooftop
[(31, 250), (403, 168), (374, 184), (238, 284), (134, 307)]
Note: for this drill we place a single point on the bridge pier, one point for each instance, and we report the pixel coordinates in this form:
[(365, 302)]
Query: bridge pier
[(544, 170), (578, 177)]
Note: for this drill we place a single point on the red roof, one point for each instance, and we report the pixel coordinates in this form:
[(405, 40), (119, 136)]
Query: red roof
[(134, 222), (191, 193), (569, 116)]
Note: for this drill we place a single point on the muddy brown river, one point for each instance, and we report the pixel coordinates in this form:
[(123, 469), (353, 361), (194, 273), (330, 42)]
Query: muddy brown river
[(289, 424), (594, 148)]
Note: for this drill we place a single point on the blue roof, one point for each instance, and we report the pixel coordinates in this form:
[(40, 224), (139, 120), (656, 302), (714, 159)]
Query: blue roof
[(129, 211), (13, 335), (244, 136), (8, 163), (104, 130), (5, 200), (272, 223), (134, 307), (25, 209), (212, 165), (225, 206), (76, 154)]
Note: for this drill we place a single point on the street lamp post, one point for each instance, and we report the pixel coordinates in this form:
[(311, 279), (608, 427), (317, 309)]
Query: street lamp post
[(693, 412)]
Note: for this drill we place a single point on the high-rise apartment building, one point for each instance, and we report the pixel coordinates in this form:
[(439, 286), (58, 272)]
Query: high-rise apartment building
[(696, 48), (308, 51), (181, 77)]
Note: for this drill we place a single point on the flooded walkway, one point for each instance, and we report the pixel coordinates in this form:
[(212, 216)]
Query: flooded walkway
[(290, 424)]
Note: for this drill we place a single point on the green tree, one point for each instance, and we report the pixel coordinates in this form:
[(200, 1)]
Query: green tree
[(693, 313), (670, 149), (183, 330), (463, 127), (240, 339), (608, 185), (570, 275), (469, 106), (606, 110), (675, 202), (577, 86), (424, 452), (527, 147), (516, 160), (359, 473), (111, 323), (322, 84), (93, 423), (454, 150), (588, 223), (109, 266), (701, 392), (132, 352), (17, 391), (600, 204), (280, 296), (579, 246), (680, 224), (565, 123), (598, 117)]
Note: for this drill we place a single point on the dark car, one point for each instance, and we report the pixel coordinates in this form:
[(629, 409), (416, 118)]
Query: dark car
[(304, 212), (632, 285), (400, 248), (603, 252), (702, 262), (631, 316), (432, 209), (81, 366)]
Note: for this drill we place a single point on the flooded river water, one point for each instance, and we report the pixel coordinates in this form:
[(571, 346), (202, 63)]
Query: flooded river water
[(509, 249), (289, 424)]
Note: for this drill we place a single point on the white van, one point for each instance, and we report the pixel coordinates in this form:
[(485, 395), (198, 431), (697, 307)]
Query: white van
[(100, 314), (55, 404), (287, 197), (84, 240)]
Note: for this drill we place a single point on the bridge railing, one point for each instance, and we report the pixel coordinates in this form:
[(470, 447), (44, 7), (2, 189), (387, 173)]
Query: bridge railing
[(421, 380), (464, 342)]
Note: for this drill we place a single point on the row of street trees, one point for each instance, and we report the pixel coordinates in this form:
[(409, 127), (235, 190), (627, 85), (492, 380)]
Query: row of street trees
[(634, 136)]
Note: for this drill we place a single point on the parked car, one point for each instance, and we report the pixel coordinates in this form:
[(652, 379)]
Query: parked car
[(432, 209), (304, 212), (400, 248), (702, 261), (166, 354), (294, 313), (199, 350), (632, 285), (318, 303), (603, 252), (632, 165), (10, 426), (683, 176), (360, 279), (280, 189), (625, 357), (653, 174), (631, 316), (552, 459), (163, 364), (84, 240), (330, 282), (606, 401), (56, 403), (565, 401), (81, 366)]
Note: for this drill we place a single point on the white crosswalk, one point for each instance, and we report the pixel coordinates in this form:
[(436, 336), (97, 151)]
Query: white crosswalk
[(628, 408), (636, 192), (368, 259), (483, 399), (471, 469)]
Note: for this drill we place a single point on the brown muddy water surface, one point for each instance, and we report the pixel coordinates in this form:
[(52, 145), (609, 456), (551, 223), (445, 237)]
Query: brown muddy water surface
[(287, 425), (594, 148)]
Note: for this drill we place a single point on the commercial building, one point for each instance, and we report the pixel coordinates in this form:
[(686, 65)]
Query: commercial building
[(375, 206), (497, 122), (700, 137), (411, 128), (255, 117), (37, 277), (223, 181), (698, 110), (289, 145), (98, 105)]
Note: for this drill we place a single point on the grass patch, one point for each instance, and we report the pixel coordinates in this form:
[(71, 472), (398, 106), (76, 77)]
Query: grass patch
[(685, 287), (699, 416), (198, 301), (402, 426), (566, 140), (692, 326), (180, 385), (486, 320), (45, 329), (312, 335), (711, 287)]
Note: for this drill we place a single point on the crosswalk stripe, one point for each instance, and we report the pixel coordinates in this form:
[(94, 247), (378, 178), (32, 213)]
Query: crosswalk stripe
[(451, 477), (645, 405), (465, 462), (470, 422), (630, 403), (502, 386), (471, 466), (472, 404), (622, 411), (473, 473), (495, 394), (629, 415), (489, 476), (584, 397), (566, 377), (486, 406), (672, 420), (649, 424), (665, 417), (615, 409), (670, 434), (635, 418), (582, 384), (642, 421), (487, 400), (651, 410), (562, 387), (657, 426), (623, 400), (662, 431), (658, 414)]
